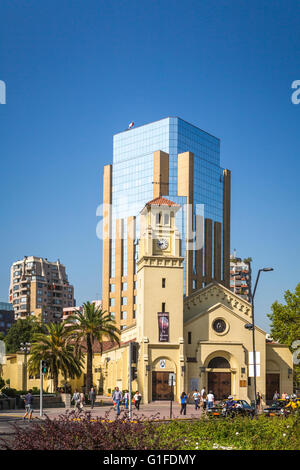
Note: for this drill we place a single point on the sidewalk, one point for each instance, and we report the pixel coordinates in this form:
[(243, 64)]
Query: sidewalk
[(157, 410)]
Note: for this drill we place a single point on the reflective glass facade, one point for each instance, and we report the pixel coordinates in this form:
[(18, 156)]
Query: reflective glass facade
[(132, 180)]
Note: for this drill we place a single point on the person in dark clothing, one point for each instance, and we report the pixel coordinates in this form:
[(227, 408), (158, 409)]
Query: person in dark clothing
[(28, 400), (92, 397)]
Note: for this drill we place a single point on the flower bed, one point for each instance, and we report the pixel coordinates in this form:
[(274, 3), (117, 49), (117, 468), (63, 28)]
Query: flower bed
[(78, 431)]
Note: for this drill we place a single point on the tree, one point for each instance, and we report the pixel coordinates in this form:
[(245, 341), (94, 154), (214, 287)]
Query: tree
[(22, 331), (53, 347), (285, 323), (90, 325)]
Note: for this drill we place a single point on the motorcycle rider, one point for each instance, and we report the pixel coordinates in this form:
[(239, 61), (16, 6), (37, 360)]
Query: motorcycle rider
[(229, 405)]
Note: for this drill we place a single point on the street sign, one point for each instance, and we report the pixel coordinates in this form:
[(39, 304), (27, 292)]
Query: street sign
[(172, 379)]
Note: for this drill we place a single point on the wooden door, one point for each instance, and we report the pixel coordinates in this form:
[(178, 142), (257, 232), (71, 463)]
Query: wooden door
[(161, 389), (220, 384), (272, 385)]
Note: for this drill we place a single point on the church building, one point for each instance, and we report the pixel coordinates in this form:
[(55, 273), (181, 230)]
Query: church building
[(200, 339)]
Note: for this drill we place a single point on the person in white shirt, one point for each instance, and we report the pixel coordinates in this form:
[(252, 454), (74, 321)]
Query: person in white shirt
[(126, 398), (137, 399), (203, 398), (210, 400), (196, 396)]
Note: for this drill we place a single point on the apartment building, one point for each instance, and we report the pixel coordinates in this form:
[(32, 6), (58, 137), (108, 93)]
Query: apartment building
[(41, 288), (240, 276)]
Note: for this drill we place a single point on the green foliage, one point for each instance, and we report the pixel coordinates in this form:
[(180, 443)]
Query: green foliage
[(90, 325), (78, 431), (54, 347), (235, 434), (22, 331), (285, 322)]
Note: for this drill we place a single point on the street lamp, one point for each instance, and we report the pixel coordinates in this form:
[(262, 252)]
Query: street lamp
[(251, 326), (25, 348)]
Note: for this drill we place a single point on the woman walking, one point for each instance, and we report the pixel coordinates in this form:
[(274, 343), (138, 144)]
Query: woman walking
[(183, 402)]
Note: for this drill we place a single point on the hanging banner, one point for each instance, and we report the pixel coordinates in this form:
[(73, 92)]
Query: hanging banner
[(163, 327), (251, 364)]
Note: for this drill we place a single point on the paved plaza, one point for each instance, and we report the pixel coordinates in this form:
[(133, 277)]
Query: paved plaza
[(159, 410)]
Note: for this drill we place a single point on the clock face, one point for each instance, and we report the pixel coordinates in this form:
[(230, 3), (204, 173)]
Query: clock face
[(162, 243), (219, 326)]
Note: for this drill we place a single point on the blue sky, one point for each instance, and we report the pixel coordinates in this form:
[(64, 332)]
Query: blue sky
[(79, 71)]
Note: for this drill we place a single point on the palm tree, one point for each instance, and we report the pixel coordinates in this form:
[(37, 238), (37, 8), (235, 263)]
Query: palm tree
[(53, 347), (88, 325)]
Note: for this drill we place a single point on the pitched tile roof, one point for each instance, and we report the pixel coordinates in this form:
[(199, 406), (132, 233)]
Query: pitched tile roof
[(161, 201)]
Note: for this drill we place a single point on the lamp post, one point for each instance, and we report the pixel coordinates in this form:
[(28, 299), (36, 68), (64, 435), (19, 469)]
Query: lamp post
[(251, 326), (25, 348)]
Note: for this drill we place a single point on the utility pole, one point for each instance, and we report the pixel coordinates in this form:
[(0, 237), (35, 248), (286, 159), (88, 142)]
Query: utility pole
[(130, 380), (41, 389)]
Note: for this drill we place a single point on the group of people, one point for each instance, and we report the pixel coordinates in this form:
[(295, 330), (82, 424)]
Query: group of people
[(79, 399), (201, 400), (284, 396), (118, 398)]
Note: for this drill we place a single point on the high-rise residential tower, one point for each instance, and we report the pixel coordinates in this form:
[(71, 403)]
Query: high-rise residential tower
[(175, 159), (41, 288)]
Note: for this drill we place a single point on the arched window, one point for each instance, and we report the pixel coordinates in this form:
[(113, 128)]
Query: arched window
[(219, 363)]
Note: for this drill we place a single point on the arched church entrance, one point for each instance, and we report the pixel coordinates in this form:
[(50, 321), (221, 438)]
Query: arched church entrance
[(219, 382)]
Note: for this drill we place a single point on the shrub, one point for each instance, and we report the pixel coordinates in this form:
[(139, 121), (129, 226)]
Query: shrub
[(77, 431)]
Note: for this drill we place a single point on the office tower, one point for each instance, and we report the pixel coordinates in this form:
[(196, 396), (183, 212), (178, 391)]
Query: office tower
[(41, 288), (169, 158), (6, 317)]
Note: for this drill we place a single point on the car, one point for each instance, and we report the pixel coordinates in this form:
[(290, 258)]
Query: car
[(241, 408)]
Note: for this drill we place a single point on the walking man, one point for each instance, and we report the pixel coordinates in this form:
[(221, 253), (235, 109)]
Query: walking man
[(76, 399), (28, 405), (126, 398), (137, 399), (117, 398), (92, 397), (196, 397), (210, 400)]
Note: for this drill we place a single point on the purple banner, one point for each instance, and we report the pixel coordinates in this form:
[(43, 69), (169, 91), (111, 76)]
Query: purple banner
[(163, 327)]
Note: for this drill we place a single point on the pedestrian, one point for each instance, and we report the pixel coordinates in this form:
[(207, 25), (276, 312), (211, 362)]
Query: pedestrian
[(137, 400), (76, 399), (203, 398), (183, 402), (276, 396), (28, 400), (258, 401), (126, 398), (210, 400), (117, 398), (82, 400), (196, 396), (92, 397)]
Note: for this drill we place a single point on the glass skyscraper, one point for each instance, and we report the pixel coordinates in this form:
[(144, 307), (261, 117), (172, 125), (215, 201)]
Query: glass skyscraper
[(132, 181), (131, 185)]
